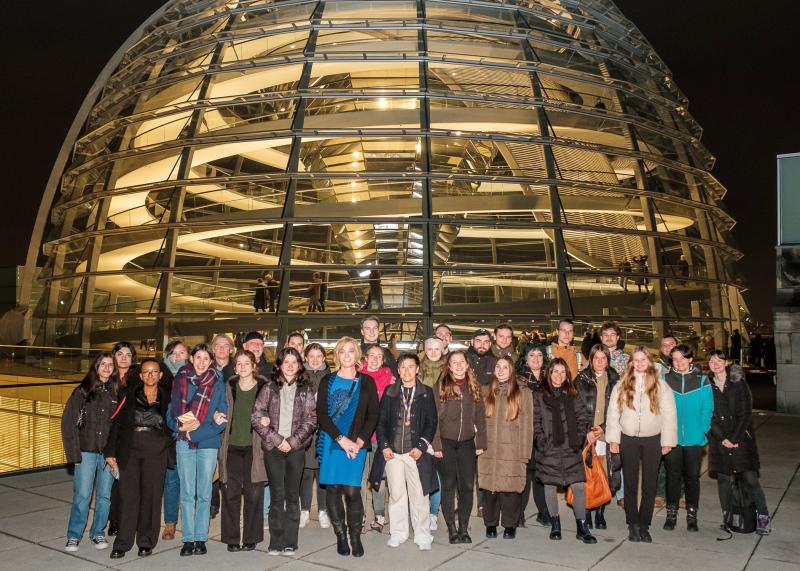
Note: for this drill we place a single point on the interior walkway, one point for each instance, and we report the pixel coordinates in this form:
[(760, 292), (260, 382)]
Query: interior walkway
[(34, 510)]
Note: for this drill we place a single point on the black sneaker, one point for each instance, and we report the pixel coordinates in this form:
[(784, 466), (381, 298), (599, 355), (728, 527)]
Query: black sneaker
[(234, 547), (491, 531), (145, 551), (117, 554), (200, 548), (248, 546), (187, 549)]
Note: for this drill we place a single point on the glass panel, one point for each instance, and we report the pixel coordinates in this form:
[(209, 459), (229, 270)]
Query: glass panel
[(265, 48), (364, 76), (472, 79), (362, 197), (481, 117), (470, 199), (493, 293), (357, 244), (359, 9), (268, 17), (362, 113), (356, 154), (475, 46), (332, 42), (476, 246)]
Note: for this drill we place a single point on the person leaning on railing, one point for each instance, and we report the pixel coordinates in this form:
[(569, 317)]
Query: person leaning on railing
[(140, 448), (85, 425)]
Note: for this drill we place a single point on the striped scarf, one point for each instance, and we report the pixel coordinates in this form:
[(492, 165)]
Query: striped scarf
[(201, 399)]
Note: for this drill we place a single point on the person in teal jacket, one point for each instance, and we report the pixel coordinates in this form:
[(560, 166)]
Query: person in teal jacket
[(694, 401)]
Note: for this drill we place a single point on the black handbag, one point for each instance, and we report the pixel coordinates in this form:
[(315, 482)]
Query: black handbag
[(742, 518)]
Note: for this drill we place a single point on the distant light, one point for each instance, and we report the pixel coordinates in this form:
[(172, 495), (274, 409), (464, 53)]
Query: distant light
[(243, 17), (358, 243), (356, 155), (354, 164), (418, 147), (383, 103), (241, 244), (352, 199), (363, 274)]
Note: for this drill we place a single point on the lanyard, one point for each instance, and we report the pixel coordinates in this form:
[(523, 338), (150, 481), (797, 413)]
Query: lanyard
[(407, 405)]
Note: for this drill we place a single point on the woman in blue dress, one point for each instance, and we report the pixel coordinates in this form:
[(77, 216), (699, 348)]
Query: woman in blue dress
[(347, 413)]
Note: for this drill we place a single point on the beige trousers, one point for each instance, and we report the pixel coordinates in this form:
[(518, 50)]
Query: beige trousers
[(405, 489)]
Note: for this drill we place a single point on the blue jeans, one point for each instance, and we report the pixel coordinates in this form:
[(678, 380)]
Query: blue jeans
[(172, 495), (195, 470), (267, 498), (92, 472), (436, 497)]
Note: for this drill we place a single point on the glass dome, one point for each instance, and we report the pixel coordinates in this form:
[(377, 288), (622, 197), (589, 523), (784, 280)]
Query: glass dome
[(461, 161)]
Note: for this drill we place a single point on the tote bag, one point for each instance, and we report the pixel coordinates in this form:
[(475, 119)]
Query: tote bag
[(598, 492)]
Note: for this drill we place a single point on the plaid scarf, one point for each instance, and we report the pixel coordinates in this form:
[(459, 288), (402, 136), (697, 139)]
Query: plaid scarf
[(201, 399)]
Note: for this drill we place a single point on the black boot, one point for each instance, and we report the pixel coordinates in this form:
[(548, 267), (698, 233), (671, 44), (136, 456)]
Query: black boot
[(589, 518), (463, 532), (633, 533), (452, 533), (543, 518), (555, 527), (340, 529), (510, 533), (672, 518), (600, 518), (644, 534), (583, 532), (491, 532), (691, 518), (355, 523)]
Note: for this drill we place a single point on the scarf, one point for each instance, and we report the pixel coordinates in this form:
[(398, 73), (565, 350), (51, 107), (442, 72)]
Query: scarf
[(201, 399), (563, 408), (174, 367)]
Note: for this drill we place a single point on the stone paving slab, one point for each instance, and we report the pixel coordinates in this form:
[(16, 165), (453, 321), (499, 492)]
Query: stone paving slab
[(34, 509)]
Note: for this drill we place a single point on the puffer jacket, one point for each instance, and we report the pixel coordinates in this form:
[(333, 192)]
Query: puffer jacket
[(258, 472), (94, 434), (304, 416), (429, 371), (558, 465), (460, 419), (503, 466), (587, 389), (732, 420), (314, 377), (482, 365), (694, 402)]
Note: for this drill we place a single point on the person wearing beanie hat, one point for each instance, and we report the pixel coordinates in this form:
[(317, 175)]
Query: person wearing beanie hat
[(254, 342)]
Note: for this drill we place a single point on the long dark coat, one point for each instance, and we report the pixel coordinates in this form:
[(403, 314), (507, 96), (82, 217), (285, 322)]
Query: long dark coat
[(558, 465), (733, 408)]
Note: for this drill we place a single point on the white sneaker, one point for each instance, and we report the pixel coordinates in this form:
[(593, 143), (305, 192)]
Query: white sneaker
[(304, 516), (324, 520), (100, 542), (273, 552), (395, 541), (425, 546), (72, 545), (434, 523)]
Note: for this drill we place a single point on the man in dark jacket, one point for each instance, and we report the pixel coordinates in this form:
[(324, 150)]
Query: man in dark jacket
[(370, 331), (480, 356), (504, 342), (254, 342), (406, 428)]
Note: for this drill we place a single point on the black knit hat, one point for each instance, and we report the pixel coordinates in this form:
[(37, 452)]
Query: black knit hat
[(253, 335)]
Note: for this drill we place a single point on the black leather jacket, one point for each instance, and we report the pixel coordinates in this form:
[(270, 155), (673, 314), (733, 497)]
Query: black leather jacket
[(587, 389)]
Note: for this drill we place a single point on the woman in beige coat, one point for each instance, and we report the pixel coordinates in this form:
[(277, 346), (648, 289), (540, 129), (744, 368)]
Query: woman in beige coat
[(509, 435)]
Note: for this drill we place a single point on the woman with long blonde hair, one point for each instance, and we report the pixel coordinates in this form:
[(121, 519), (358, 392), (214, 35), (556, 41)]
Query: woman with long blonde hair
[(641, 426), (509, 443)]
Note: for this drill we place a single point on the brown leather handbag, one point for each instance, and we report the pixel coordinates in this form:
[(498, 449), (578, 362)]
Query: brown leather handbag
[(598, 492)]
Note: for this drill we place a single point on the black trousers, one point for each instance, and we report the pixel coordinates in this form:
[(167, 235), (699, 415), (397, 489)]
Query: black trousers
[(307, 490), (538, 491), (240, 488), (683, 467), (457, 469), (750, 479), (501, 508), (636, 451), (141, 487), (284, 472)]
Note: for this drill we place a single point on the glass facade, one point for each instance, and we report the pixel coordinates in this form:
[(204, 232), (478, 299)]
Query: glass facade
[(431, 161)]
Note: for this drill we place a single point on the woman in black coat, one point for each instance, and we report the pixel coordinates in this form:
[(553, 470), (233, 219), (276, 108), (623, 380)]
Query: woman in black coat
[(732, 449), (560, 426), (139, 447), (594, 384)]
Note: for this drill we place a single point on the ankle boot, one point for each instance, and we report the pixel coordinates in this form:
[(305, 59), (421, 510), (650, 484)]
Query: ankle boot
[(764, 527), (452, 533), (355, 523), (463, 532), (633, 533), (691, 518), (589, 518), (644, 534), (672, 518), (583, 532), (600, 518), (555, 527)]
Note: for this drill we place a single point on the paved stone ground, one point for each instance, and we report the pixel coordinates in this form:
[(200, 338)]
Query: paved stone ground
[(34, 509)]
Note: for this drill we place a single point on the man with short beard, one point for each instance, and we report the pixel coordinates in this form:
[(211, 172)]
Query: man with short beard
[(562, 347), (504, 342), (480, 357), (444, 333), (609, 337)]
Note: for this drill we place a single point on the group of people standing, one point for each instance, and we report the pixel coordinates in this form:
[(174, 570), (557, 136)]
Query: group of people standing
[(427, 428)]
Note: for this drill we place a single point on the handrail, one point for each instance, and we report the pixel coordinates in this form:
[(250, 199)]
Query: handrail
[(29, 385)]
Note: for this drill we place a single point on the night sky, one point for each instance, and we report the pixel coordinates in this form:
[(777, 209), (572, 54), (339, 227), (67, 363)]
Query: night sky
[(737, 65)]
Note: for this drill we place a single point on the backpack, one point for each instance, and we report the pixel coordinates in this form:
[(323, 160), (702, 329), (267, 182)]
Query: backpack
[(742, 518)]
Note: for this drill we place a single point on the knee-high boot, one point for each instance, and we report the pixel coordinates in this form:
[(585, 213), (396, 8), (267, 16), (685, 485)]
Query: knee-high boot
[(336, 515), (355, 521)]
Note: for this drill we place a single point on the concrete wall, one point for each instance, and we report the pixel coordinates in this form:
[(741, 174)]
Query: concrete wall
[(787, 345)]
